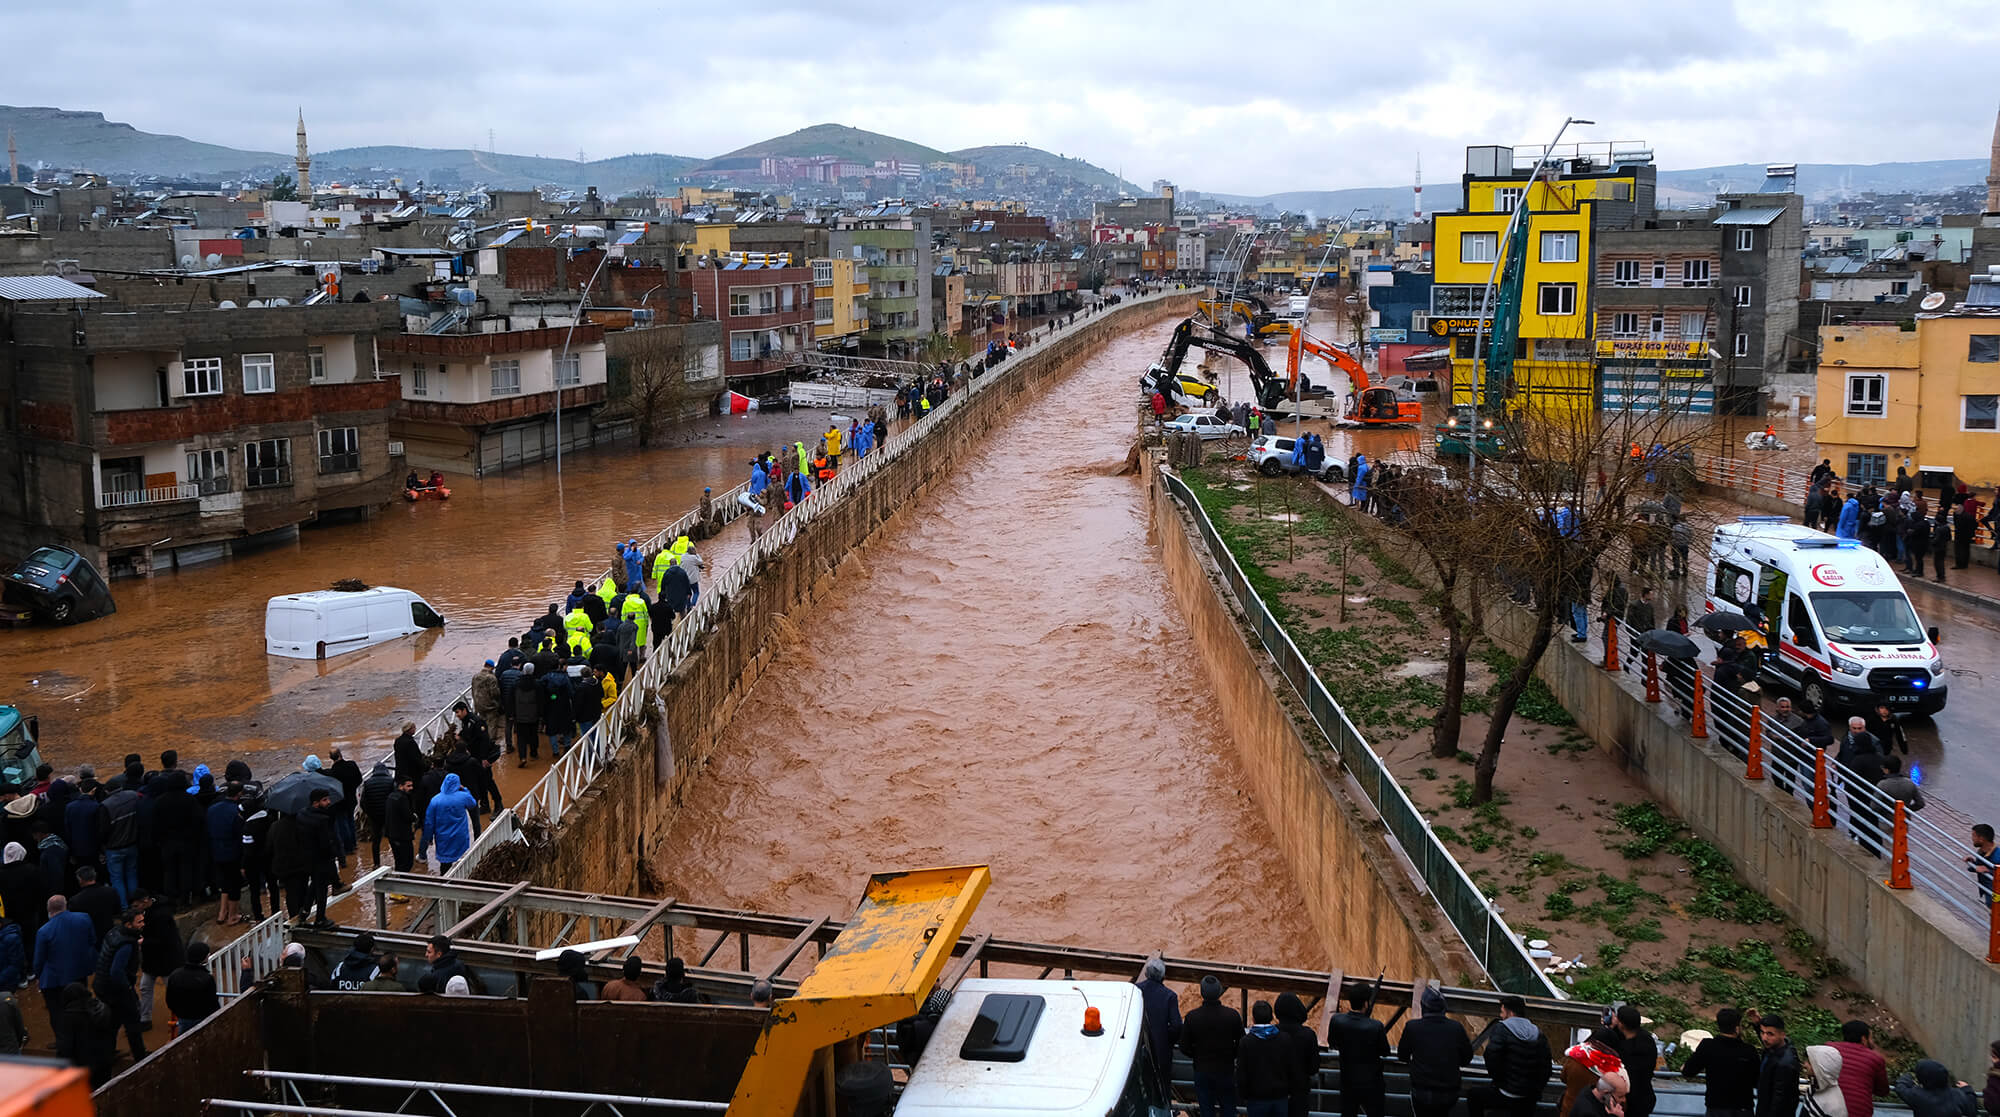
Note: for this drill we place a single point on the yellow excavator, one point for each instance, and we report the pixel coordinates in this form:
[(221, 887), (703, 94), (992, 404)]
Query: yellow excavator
[(1260, 321)]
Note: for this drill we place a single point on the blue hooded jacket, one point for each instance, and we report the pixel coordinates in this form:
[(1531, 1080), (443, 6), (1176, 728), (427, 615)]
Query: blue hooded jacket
[(760, 479), (1850, 520), (447, 823), (632, 561)]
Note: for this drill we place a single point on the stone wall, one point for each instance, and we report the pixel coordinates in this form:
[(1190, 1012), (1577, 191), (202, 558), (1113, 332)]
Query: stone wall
[(1370, 912), (608, 837)]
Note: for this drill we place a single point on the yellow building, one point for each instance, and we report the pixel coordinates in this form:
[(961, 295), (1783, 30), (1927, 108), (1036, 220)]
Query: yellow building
[(1925, 398), (711, 241), (840, 301), (1554, 362)]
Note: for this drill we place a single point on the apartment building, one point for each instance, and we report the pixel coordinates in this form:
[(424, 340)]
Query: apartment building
[(840, 302), (893, 241), (1655, 307), (765, 305), (484, 400), (154, 437)]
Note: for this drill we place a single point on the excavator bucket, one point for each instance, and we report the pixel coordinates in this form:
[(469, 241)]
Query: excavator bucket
[(878, 971)]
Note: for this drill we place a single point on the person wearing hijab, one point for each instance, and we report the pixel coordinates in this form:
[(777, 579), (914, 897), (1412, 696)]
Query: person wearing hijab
[(457, 987), (1824, 1098), (21, 890)]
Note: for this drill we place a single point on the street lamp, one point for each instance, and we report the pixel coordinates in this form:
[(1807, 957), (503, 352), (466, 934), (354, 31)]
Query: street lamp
[(582, 301), (1492, 281)]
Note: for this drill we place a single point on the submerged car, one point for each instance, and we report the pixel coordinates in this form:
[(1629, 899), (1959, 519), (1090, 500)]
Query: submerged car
[(59, 586), (1206, 424)]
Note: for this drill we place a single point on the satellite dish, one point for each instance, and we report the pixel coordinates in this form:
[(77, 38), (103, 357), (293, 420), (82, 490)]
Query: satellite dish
[(225, 304), (279, 302), (214, 259), (254, 304), (1933, 300), (187, 261)]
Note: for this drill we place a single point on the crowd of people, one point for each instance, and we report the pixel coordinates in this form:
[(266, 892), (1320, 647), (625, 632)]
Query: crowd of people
[(1900, 523)]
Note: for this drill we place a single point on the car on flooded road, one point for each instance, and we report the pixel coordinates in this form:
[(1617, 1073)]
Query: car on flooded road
[(1206, 424), (58, 585)]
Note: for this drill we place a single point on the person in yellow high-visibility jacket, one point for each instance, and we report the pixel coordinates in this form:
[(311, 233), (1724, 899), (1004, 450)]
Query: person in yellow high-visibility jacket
[(610, 686), (832, 439), (657, 569), (634, 610), (579, 643), (576, 620), (607, 590)]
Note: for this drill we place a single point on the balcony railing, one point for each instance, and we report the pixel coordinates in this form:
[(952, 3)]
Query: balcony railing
[(157, 494)]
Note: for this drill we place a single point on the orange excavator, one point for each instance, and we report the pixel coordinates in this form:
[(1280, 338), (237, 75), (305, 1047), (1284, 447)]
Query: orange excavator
[(1373, 406)]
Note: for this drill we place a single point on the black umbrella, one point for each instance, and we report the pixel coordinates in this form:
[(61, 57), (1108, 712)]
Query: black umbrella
[(1725, 621), (294, 793), (1667, 642)]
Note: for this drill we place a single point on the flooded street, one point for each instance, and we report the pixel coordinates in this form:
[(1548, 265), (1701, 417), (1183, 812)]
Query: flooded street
[(182, 664), (1005, 679)]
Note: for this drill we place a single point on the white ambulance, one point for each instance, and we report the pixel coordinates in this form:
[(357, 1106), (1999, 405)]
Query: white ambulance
[(1837, 624)]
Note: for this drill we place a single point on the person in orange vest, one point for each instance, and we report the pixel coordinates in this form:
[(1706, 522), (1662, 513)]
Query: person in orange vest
[(824, 469), (1635, 452)]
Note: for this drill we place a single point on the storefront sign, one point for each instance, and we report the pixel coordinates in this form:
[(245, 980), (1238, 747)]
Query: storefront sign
[(1639, 349)]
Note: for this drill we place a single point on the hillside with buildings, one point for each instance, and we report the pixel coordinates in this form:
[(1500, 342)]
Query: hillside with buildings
[(994, 160), (838, 141), (75, 138), (472, 167)]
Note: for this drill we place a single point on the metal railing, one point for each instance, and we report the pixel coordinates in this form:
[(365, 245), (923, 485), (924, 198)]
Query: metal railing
[(262, 946), (1469, 910), (156, 494), (578, 767), (1930, 859)]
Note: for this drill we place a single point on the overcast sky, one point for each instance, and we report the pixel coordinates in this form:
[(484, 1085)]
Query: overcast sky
[(1242, 98)]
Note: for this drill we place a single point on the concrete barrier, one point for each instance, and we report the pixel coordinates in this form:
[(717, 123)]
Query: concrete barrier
[(1905, 948), (1370, 913), (608, 836)]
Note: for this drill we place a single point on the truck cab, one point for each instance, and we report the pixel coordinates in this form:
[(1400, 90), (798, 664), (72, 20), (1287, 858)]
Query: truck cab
[(1839, 627), (1454, 438), (1007, 1047)]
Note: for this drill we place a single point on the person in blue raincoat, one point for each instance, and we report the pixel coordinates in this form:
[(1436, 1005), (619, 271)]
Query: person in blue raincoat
[(448, 822), (1358, 494), (1299, 445), (634, 573), (1849, 526)]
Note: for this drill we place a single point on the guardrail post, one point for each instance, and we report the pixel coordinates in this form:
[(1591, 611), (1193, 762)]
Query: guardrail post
[(1754, 768), (1899, 855), (1652, 675), (1698, 707), (1756, 476), (1992, 931), (1611, 644), (1822, 798)]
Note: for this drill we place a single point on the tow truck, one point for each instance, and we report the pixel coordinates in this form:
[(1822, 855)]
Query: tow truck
[(1374, 406), (1275, 395)]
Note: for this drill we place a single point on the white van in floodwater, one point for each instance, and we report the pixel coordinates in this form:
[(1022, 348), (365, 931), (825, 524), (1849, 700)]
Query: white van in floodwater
[(326, 623)]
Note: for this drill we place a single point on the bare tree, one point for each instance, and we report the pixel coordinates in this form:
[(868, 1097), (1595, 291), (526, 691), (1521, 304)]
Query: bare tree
[(1454, 535), (657, 362)]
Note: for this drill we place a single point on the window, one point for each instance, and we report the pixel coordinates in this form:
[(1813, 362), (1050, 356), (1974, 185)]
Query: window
[(1659, 273), (1863, 469), (420, 380), (1656, 326), (1899, 287), (1742, 345), (1625, 273), (823, 311), (822, 273), (1982, 349), (267, 463), (1694, 273), (1557, 298), (315, 363), (569, 371), (506, 378), (260, 373), (1741, 295), (1625, 324), (1865, 394), (1559, 248), (1506, 199), (1799, 620), (1746, 240), (339, 450), (785, 302), (739, 304), (743, 346), (1478, 248), (210, 470), (201, 376), (767, 300), (1982, 413), (1694, 325)]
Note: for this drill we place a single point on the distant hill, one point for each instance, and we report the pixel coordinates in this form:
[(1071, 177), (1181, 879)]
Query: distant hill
[(472, 167), (67, 138), (994, 159), (1818, 182), (838, 140)]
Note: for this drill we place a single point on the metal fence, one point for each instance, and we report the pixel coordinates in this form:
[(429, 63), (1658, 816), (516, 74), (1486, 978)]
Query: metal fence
[(262, 946), (1934, 861), (1497, 947), (579, 766), (1780, 483)]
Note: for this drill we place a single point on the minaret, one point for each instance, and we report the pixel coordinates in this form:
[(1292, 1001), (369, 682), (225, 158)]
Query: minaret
[(302, 161), (14, 161), (1993, 172), (1420, 188)]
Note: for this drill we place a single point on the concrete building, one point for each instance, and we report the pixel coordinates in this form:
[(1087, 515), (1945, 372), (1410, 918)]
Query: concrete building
[(1135, 213), (147, 437), (479, 402), (1763, 237), (840, 302), (893, 241), (1655, 307), (765, 305), (1928, 396)]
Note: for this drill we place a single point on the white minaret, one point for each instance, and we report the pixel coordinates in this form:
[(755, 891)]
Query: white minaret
[(1420, 187), (13, 161), (1993, 172), (302, 162)]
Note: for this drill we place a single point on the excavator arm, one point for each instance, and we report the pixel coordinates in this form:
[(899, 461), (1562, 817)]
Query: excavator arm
[(1372, 406), (1270, 389)]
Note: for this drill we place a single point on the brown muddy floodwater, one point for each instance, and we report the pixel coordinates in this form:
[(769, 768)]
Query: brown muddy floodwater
[(1006, 680), (182, 664)]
